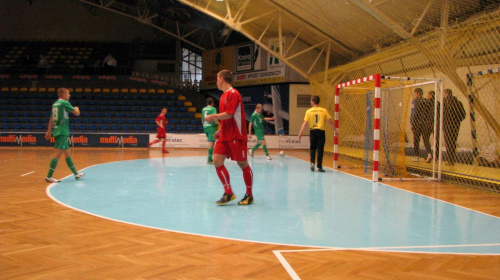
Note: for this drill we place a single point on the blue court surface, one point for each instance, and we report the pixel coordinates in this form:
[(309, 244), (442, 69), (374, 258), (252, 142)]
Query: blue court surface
[(293, 206)]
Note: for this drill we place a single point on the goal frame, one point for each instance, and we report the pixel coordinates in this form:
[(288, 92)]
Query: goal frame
[(377, 78)]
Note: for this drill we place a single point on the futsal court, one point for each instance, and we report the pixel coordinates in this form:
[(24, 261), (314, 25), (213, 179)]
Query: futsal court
[(298, 215)]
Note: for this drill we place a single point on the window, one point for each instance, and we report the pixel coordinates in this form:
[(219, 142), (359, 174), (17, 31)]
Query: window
[(191, 66)]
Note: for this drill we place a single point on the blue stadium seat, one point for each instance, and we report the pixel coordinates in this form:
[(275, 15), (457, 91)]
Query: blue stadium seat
[(17, 127), (194, 121), (108, 115), (147, 127), (179, 127), (131, 121), (99, 121), (141, 121), (135, 128), (173, 109), (172, 121), (118, 115), (182, 121), (38, 127), (113, 128), (139, 115), (5, 113), (81, 127), (110, 121), (183, 109), (189, 128), (120, 121), (89, 120), (98, 115), (5, 126), (92, 128), (103, 127), (151, 121), (179, 115), (72, 127), (125, 127), (169, 127)]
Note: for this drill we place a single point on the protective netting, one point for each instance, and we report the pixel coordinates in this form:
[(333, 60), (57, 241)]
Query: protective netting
[(397, 155), (470, 46)]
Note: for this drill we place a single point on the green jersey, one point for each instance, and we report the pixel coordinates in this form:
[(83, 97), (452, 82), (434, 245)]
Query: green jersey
[(208, 110), (257, 120), (60, 117)]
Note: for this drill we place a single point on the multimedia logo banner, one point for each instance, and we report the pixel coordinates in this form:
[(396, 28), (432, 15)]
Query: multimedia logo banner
[(75, 140)]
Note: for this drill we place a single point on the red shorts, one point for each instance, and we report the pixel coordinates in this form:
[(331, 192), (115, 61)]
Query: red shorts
[(235, 150), (162, 133)]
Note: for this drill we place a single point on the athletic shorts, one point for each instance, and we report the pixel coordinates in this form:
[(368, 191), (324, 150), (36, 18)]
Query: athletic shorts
[(209, 132), (61, 142), (162, 133), (235, 150), (260, 135)]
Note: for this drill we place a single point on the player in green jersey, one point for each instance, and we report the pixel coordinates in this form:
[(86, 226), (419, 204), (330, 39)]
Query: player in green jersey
[(257, 121), (59, 128), (209, 127)]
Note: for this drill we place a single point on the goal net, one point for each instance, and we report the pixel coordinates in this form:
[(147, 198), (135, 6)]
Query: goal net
[(373, 116), (484, 97)]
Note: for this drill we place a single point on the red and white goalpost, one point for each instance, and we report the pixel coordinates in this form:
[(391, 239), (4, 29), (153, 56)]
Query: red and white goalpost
[(397, 91)]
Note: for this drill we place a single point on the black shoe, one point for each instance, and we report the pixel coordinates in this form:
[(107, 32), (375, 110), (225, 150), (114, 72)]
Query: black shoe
[(246, 200), (312, 167), (321, 170), (225, 198)]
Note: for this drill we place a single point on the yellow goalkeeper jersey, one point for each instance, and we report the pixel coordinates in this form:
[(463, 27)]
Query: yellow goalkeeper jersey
[(316, 117)]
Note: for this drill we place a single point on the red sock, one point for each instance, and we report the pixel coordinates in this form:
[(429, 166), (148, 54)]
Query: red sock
[(224, 178), (248, 178), (163, 144), (153, 142)]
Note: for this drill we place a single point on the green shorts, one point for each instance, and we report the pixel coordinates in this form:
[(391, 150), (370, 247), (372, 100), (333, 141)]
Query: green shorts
[(260, 135), (61, 142), (209, 132)]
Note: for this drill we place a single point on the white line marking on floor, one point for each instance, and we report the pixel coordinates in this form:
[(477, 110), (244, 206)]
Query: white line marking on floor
[(27, 173)]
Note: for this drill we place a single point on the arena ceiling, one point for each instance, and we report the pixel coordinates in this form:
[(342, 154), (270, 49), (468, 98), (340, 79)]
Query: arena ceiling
[(316, 34)]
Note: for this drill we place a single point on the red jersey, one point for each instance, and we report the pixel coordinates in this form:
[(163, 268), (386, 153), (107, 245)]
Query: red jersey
[(161, 119), (234, 128)]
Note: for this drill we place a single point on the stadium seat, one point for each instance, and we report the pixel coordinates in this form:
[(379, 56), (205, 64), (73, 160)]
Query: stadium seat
[(181, 98), (141, 121), (188, 104), (146, 127), (81, 127), (172, 121), (92, 128), (109, 121), (170, 91), (135, 128), (103, 127), (151, 90), (5, 126), (113, 128), (160, 90)]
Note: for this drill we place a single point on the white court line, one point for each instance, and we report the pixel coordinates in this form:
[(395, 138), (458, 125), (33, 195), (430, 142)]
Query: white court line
[(27, 173), (294, 275), (286, 265)]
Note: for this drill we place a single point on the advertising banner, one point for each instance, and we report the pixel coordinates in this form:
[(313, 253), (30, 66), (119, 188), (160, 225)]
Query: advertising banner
[(213, 62), (76, 140), (244, 57)]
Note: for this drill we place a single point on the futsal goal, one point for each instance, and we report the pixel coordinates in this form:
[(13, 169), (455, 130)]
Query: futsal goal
[(372, 117)]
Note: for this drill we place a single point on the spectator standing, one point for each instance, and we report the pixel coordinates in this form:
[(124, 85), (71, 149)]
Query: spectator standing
[(420, 123), (109, 64), (453, 115)]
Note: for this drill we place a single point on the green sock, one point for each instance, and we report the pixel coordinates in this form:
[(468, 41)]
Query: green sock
[(210, 153), (53, 165), (71, 165), (256, 147), (265, 149)]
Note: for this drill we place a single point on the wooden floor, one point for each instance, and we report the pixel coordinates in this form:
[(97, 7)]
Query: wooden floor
[(41, 239)]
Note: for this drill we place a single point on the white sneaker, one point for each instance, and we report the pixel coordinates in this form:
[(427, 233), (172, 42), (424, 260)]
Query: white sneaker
[(415, 159), (52, 180), (79, 175), (269, 158), (250, 152)]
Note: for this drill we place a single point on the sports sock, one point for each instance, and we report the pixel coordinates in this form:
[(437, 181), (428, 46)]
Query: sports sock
[(256, 147), (210, 153), (248, 178), (224, 178), (153, 142), (53, 165), (163, 144), (265, 149), (71, 165)]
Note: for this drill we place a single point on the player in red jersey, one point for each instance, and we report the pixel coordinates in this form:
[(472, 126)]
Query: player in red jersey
[(231, 138), (161, 121)]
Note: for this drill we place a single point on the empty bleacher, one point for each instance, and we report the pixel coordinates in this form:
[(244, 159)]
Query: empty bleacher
[(103, 110)]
